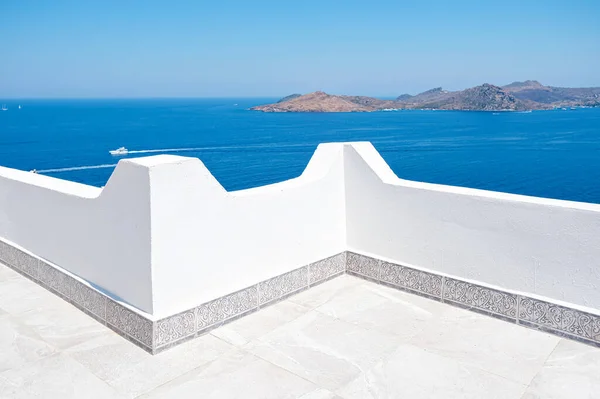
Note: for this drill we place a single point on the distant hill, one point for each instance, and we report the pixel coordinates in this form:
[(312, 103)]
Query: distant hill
[(534, 91), (486, 97), (430, 95), (315, 102), (516, 96), (288, 98)]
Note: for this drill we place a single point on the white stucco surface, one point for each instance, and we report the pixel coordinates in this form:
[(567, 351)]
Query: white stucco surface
[(549, 248), (207, 242), (102, 236), (164, 235)]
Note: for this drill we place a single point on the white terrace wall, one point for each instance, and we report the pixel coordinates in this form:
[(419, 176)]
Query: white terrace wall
[(537, 246), (164, 236), (102, 236), (207, 242)]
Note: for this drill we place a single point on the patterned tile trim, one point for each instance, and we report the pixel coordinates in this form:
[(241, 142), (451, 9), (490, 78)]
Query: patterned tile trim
[(130, 323), (88, 299), (54, 279), (482, 298), (363, 265), (559, 320), (283, 285), (221, 309), (326, 268), (411, 279), (163, 334), (20, 261), (174, 328)]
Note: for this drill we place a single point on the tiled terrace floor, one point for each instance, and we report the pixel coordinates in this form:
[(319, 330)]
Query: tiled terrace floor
[(346, 338)]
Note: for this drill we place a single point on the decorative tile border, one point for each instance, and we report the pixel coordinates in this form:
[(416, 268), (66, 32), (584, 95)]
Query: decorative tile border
[(363, 265), (224, 308), (554, 319), (156, 336), (280, 286), (183, 326), (482, 298), (89, 299), (174, 328), (325, 269), (579, 324), (133, 324), (54, 279), (411, 279)]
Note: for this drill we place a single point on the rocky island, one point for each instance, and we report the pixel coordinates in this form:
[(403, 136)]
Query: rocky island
[(517, 96)]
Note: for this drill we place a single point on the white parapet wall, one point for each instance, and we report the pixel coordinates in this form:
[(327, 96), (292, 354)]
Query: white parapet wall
[(99, 235), (207, 242), (535, 246), (164, 236)]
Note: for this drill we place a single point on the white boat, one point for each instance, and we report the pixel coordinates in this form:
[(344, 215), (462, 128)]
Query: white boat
[(119, 151), (4, 107), (19, 107)]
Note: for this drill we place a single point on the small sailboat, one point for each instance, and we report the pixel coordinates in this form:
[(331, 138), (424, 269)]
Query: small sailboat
[(119, 151), (19, 107), (4, 107)]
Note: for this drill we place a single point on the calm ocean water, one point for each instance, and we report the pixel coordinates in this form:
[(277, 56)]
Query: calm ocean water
[(552, 154)]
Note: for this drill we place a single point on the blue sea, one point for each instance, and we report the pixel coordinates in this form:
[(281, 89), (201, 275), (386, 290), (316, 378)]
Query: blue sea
[(553, 154)]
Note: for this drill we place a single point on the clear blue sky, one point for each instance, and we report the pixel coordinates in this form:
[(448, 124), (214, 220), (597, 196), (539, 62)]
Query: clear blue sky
[(171, 48)]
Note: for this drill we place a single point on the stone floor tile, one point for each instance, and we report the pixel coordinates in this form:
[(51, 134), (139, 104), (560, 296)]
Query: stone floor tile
[(61, 324), (259, 323), (571, 371), (133, 371), (322, 293), (54, 377), (327, 351), (238, 375), (18, 295), (20, 345), (412, 372), (382, 308), (6, 273), (502, 348)]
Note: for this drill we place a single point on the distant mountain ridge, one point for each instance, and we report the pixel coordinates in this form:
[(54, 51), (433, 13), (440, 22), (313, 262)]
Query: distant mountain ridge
[(516, 96)]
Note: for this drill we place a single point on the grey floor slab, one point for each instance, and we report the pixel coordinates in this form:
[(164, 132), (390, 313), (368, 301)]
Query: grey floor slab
[(382, 308), (56, 376), (56, 322), (258, 324), (571, 371), (237, 374), (20, 345), (347, 338), (412, 372), (324, 350), (508, 350), (133, 371), (323, 293)]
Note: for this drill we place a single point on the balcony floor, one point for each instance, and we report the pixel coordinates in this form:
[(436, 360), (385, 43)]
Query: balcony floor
[(347, 338)]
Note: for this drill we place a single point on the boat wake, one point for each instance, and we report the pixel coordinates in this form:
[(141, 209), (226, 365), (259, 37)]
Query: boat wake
[(58, 170), (221, 148), (170, 150), (175, 150)]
